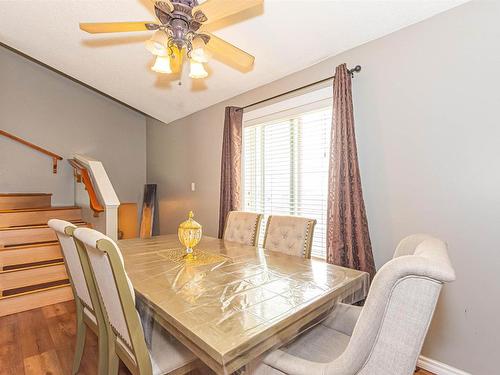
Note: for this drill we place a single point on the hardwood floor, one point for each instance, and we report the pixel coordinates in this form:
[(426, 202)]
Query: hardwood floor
[(42, 342)]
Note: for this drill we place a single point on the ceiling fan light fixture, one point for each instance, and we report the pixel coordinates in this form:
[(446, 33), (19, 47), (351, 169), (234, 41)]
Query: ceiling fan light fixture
[(197, 70), (180, 32), (162, 65), (158, 43), (199, 53)]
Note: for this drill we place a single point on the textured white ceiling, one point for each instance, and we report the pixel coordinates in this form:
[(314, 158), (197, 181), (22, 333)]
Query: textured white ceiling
[(284, 36)]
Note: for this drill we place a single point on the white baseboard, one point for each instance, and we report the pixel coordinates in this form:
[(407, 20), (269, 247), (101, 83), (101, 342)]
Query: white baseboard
[(438, 368)]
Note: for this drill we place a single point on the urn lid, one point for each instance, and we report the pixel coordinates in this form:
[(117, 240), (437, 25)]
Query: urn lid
[(190, 223)]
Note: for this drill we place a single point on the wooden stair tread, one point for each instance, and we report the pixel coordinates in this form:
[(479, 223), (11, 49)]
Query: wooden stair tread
[(35, 288), (29, 245), (23, 217), (34, 264), (30, 255), (51, 208), (15, 281), (38, 226), (33, 292), (15, 201), (29, 235), (28, 300), (32, 267), (23, 194)]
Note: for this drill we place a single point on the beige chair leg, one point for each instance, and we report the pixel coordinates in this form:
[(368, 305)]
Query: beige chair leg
[(113, 362), (81, 330), (103, 350)]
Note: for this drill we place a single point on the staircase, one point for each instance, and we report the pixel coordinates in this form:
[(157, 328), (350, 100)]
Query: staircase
[(32, 271)]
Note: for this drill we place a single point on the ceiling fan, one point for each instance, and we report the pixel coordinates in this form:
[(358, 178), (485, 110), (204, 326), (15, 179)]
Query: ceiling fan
[(181, 30)]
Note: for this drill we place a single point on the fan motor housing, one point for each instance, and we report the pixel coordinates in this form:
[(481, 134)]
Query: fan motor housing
[(179, 22), (189, 3), (179, 28)]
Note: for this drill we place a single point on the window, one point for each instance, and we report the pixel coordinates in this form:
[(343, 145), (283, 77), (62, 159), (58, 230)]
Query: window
[(285, 166)]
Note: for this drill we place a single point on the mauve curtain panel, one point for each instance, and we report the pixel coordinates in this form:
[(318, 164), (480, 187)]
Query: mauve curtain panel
[(230, 179), (348, 238)]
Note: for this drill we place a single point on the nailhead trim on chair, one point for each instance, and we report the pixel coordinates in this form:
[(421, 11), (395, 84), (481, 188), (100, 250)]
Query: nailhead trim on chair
[(129, 346), (87, 306), (255, 230), (307, 240)]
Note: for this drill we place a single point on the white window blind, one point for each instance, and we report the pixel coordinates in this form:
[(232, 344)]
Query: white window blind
[(285, 168)]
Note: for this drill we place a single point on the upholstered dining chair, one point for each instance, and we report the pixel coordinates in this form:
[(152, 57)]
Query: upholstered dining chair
[(88, 308), (291, 235), (125, 333), (386, 335), (242, 227)]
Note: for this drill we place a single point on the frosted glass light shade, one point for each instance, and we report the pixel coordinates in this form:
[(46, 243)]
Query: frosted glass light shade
[(157, 45), (197, 70), (199, 52), (162, 65)]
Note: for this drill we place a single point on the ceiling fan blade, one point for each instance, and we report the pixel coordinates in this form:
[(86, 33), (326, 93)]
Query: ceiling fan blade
[(117, 27), (164, 5), (213, 10), (229, 53)]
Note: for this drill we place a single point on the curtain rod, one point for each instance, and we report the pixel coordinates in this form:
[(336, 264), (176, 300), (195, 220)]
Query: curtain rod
[(356, 69)]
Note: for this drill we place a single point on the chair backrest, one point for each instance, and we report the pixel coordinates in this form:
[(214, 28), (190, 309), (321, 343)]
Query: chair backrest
[(116, 293), (64, 231), (408, 245), (391, 328), (291, 235), (242, 227)]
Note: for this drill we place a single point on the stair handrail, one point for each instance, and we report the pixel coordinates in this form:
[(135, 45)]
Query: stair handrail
[(54, 157), (82, 175)]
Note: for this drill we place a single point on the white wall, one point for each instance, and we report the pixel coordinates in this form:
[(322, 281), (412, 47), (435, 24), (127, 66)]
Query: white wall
[(66, 118), (428, 131)]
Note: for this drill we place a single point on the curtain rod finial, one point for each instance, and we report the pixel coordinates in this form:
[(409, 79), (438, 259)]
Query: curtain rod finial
[(356, 69)]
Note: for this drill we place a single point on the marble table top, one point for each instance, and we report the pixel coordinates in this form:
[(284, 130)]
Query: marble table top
[(234, 302)]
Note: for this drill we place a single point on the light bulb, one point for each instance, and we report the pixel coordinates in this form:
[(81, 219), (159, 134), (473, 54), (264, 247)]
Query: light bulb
[(199, 53), (157, 45), (162, 65), (197, 70)]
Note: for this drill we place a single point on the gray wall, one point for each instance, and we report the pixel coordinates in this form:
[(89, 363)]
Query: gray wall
[(66, 118), (426, 108)]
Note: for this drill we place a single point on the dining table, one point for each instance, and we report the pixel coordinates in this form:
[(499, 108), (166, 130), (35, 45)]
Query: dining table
[(231, 303)]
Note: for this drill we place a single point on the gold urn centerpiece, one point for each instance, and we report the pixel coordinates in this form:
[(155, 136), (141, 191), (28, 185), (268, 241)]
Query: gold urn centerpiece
[(189, 233)]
